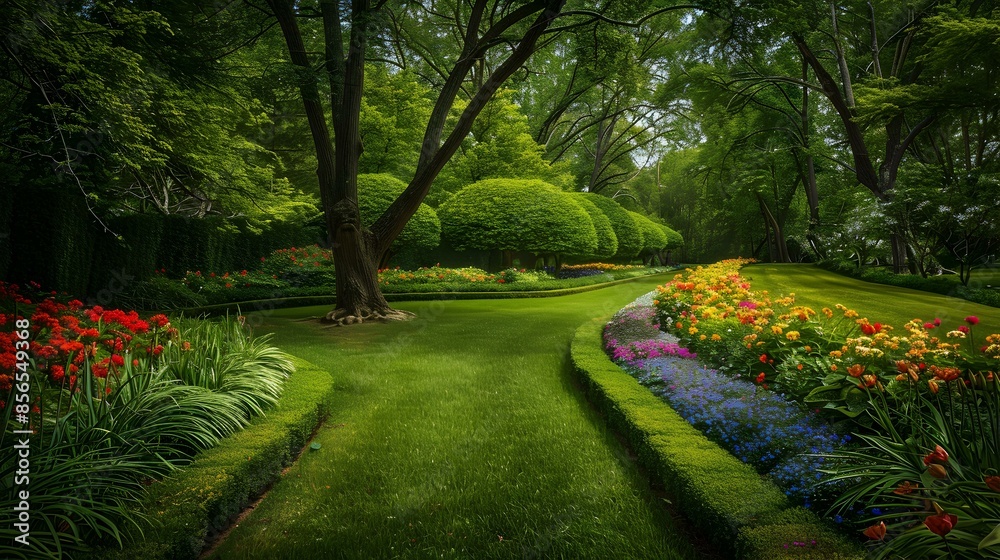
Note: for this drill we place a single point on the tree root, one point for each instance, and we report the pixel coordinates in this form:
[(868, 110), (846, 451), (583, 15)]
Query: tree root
[(342, 317)]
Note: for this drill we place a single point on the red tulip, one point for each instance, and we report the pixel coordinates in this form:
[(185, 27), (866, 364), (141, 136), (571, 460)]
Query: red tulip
[(939, 455), (941, 524)]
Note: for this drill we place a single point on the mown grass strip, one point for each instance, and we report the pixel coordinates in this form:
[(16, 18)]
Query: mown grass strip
[(459, 435), (743, 513)]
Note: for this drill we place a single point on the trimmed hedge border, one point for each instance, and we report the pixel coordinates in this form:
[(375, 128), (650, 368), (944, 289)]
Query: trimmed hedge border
[(304, 301), (745, 515), (201, 500)]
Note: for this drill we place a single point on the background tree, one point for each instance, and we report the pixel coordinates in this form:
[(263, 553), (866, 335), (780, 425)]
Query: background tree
[(607, 241), (358, 250)]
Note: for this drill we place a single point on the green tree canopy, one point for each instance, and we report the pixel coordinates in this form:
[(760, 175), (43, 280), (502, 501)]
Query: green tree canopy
[(517, 215), (377, 191), (607, 241), (630, 240)]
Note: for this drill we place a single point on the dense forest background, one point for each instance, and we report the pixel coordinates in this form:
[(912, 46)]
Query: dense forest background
[(787, 131)]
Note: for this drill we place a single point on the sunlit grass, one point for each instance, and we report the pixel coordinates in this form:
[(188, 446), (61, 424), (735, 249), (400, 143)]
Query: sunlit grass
[(819, 288), (459, 435)]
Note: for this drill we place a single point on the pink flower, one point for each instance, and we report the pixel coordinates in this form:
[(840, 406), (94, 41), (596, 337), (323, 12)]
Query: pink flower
[(972, 320)]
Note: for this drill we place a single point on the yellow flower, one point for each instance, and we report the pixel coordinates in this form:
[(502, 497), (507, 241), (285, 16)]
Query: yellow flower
[(716, 338), (702, 337), (776, 329), (693, 330), (792, 335)]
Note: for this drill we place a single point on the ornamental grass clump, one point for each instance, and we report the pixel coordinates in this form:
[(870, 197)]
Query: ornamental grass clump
[(117, 401)]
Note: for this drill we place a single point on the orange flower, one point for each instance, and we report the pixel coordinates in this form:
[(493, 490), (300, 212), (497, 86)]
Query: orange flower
[(833, 367), (933, 386), (856, 370), (876, 532), (905, 488), (867, 381), (937, 471)]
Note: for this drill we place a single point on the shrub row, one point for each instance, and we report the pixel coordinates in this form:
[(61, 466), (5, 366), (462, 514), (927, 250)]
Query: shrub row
[(745, 515), (195, 505), (933, 284)]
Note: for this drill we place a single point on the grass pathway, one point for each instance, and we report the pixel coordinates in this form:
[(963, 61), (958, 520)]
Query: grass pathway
[(820, 288), (459, 435)]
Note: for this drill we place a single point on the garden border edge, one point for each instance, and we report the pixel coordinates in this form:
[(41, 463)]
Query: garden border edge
[(199, 502), (745, 515), (305, 301)]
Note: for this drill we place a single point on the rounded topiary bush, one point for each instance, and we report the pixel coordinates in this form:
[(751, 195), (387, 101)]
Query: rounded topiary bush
[(630, 240), (377, 191), (607, 241), (517, 215), (674, 239), (653, 237)]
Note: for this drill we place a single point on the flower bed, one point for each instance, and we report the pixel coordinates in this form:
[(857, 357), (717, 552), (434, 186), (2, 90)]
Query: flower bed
[(925, 407), (116, 400), (759, 427)]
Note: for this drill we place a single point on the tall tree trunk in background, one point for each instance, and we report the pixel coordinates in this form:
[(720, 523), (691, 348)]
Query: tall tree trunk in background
[(359, 250), (809, 173)]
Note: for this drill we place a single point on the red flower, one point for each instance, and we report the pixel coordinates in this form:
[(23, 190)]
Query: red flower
[(876, 532), (871, 329), (905, 488), (160, 320), (972, 320), (941, 524), (937, 322), (964, 329), (939, 455), (760, 377), (763, 358), (993, 482), (928, 326), (58, 373), (118, 360)]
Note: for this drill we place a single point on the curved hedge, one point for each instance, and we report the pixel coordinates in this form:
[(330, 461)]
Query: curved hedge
[(607, 241), (630, 241), (517, 215), (744, 514), (653, 236), (377, 191)]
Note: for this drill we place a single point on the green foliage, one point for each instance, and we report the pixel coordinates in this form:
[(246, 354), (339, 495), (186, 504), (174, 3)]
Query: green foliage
[(394, 111), (962, 421), (674, 239), (653, 236), (630, 240), (741, 512), (200, 500), (377, 192), (607, 241), (517, 215), (499, 146)]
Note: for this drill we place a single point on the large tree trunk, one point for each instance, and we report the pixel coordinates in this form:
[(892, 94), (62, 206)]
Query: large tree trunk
[(358, 251)]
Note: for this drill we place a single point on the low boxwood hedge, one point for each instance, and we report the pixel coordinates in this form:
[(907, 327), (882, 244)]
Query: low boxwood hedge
[(196, 504), (744, 514)]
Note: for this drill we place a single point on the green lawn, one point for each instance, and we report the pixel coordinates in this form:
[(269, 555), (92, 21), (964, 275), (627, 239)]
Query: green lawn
[(819, 288), (459, 435)]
